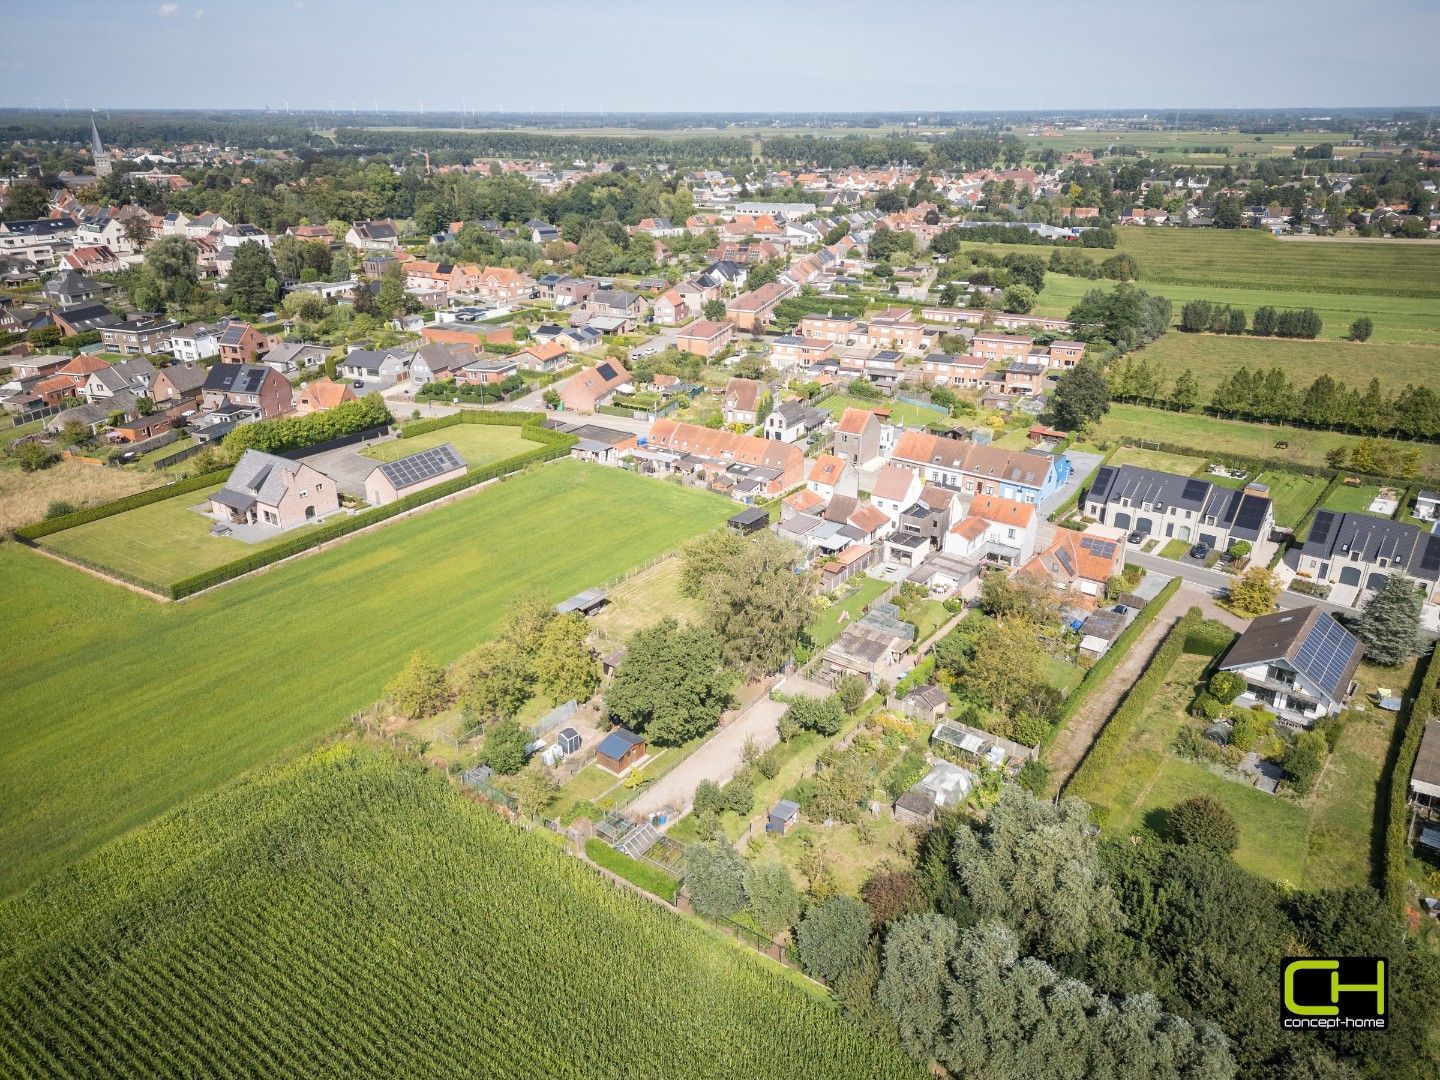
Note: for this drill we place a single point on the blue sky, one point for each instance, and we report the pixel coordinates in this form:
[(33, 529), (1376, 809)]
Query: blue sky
[(617, 55)]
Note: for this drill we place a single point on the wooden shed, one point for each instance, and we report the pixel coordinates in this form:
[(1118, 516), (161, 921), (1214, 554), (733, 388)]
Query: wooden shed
[(619, 750)]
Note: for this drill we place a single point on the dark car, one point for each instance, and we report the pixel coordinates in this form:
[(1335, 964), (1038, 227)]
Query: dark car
[(1200, 551), (1136, 537)]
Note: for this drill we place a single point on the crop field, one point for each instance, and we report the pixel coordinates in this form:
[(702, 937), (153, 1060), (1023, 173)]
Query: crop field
[(117, 708), (478, 444), (1215, 357), (349, 914), (1275, 142), (1210, 436)]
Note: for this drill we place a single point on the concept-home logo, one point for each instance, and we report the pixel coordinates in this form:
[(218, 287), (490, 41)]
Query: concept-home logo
[(1334, 992)]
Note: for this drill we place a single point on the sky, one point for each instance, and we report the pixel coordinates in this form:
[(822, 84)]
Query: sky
[(744, 55)]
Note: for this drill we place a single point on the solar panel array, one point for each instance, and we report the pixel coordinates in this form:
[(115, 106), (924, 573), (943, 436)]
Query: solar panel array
[(1320, 530), (1195, 490), (422, 466), (605, 371), (1252, 513), (1102, 548), (1325, 653), (1430, 560)]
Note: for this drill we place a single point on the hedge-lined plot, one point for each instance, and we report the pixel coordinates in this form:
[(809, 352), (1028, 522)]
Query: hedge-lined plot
[(352, 915), (116, 708)]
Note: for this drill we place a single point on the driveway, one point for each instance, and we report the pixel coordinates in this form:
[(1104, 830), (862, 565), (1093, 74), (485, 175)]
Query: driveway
[(722, 756), (1217, 582), (346, 466), (1082, 464)]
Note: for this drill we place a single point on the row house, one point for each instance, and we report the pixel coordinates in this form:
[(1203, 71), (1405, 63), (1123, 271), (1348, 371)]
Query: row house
[(1004, 320), (93, 259), (790, 350), (1162, 504), (139, 334), (755, 310), (1063, 355), (751, 467), (177, 383), (860, 436), (40, 242), (947, 369), (136, 377), (1361, 551), (1006, 347), (1024, 379), (893, 328), (1023, 475), (837, 329), (448, 279)]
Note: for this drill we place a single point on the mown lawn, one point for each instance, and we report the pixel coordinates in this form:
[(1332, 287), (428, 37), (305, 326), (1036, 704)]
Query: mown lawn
[(1353, 500), (901, 411), (828, 627), (117, 708), (1216, 438), (1215, 357), (649, 596), (1293, 494), (478, 444), (1180, 464)]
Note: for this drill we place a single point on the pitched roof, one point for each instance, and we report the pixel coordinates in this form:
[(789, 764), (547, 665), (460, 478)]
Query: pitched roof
[(868, 518), (1003, 511), (894, 482), (854, 421), (1310, 640), (827, 469), (239, 378), (258, 477), (421, 466), (325, 394), (1026, 467), (1074, 555), (704, 329), (743, 395), (804, 500)]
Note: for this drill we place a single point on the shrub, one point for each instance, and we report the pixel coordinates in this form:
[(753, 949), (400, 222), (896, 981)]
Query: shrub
[(1304, 760), (1204, 822), (34, 456), (59, 508), (1251, 726), (1226, 686), (504, 747)]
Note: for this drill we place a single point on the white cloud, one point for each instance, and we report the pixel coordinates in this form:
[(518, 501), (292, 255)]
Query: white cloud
[(169, 11), (199, 13)]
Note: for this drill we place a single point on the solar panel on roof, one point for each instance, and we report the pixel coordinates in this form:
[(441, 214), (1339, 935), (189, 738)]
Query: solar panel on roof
[(1101, 548), (1195, 490), (1320, 531), (1430, 560), (1325, 654), (605, 371), (1252, 513)]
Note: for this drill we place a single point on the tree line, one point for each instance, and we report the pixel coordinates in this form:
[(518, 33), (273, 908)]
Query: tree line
[(1206, 316)]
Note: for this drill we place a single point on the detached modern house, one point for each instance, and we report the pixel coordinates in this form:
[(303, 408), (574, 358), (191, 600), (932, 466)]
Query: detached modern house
[(254, 385), (1299, 664), (264, 489)]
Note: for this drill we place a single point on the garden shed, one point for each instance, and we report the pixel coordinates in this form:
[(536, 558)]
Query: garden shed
[(619, 750)]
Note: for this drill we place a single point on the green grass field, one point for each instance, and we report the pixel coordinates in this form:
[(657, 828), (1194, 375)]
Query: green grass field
[(478, 444), (117, 708), (852, 606), (1353, 500), (1293, 495), (1213, 437), (352, 914), (903, 412), (1180, 464), (1215, 357)]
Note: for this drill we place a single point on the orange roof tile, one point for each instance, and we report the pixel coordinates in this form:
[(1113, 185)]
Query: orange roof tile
[(854, 421), (827, 469), (1003, 511)]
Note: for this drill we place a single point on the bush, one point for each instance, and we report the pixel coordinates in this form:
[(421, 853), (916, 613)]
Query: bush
[(822, 715), (738, 797), (59, 508), (852, 692), (292, 432), (1226, 686), (1304, 760), (1251, 726), (34, 456), (1362, 328), (1204, 822), (1207, 708), (504, 747)]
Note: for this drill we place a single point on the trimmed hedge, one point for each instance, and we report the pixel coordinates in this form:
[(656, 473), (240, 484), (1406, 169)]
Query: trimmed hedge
[(1424, 706), (119, 506), (1102, 668), (494, 417), (1118, 730), (656, 882), (558, 446)]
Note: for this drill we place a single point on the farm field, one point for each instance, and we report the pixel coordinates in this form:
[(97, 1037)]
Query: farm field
[(904, 412), (1215, 357), (1217, 437), (1180, 464), (24, 497), (478, 444), (161, 543), (351, 913), (81, 763)]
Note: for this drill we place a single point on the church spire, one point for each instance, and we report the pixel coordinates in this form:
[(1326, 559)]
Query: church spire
[(98, 152)]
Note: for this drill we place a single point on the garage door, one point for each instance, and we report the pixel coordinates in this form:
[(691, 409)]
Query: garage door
[(1122, 521), (1376, 581), (1350, 575), (1209, 539), (1144, 525)]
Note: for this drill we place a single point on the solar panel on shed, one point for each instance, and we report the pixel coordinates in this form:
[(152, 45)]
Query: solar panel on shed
[(425, 465), (1325, 653), (1320, 531)]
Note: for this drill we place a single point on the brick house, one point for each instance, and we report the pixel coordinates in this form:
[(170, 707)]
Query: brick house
[(264, 489), (498, 284), (833, 328), (321, 394), (741, 400), (858, 436), (1006, 347), (241, 343), (587, 390), (705, 338), (247, 384), (755, 310)]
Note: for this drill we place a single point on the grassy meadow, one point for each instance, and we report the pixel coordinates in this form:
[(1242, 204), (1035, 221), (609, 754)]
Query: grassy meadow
[(478, 444), (24, 497), (118, 708)]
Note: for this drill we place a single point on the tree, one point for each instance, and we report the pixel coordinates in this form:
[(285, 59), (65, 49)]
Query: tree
[(25, 200), (715, 878), (1018, 299), (774, 901), (1265, 322), (1026, 269), (1126, 316), (494, 680), (1081, 397), (1362, 328), (33, 456), (419, 689), (1120, 267), (1035, 866), (852, 692), (1202, 820), (891, 894), (393, 299), (504, 747), (1186, 393), (535, 790), (714, 310), (565, 665), (1229, 214), (170, 262), (832, 938), (822, 715), (753, 600), (1304, 759), (671, 684), (1389, 622), (44, 337), (137, 230), (254, 281), (1226, 686), (1255, 591), (915, 980)]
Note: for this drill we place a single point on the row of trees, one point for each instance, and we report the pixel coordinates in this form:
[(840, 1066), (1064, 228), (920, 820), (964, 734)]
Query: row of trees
[(1206, 316)]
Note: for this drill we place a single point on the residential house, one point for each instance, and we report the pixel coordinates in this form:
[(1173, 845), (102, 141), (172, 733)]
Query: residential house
[(317, 395), (1063, 355), (948, 369), (69, 288), (831, 476), (1357, 552), (791, 421), (580, 338), (1299, 664), (293, 357), (859, 436), (588, 389), (375, 369), (194, 342), (1005, 347), (747, 467), (499, 285), (373, 236), (570, 292), (1023, 475), (241, 343), (615, 303), (439, 363), (1180, 507), (892, 329), (40, 242), (139, 428), (255, 385), (135, 377), (415, 472), (705, 338), (85, 317), (139, 334), (1080, 562), (742, 400), (316, 233), (487, 370), (672, 309), (755, 310), (995, 530), (205, 224), (264, 489), (93, 259), (896, 487), (602, 445), (1022, 378), (788, 350), (543, 356), (476, 335), (78, 371)]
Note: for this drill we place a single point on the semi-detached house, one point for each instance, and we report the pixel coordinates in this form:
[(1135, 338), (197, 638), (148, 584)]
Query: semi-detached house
[(1023, 475)]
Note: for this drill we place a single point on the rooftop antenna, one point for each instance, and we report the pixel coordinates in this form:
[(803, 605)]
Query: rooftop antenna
[(377, 106), (287, 105)]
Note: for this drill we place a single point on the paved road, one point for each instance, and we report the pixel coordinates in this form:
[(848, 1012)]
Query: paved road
[(1217, 582), (721, 757), (1082, 464)]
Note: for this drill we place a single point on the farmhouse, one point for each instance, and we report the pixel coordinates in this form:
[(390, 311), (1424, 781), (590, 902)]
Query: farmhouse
[(1186, 508), (1300, 664), (264, 489), (415, 472)]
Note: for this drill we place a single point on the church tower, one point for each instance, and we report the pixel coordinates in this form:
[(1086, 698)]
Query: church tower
[(98, 152)]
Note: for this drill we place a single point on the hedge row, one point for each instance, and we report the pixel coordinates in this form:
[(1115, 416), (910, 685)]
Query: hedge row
[(1120, 727), (338, 527), (119, 506), (1424, 707), (493, 417), (1102, 668), (1255, 464)]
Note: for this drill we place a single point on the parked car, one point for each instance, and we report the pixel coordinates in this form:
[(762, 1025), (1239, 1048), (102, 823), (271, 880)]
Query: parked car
[(1136, 537), (1200, 551)]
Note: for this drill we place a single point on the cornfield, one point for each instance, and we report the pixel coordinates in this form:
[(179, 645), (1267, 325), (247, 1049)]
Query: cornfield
[(350, 914)]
